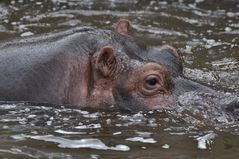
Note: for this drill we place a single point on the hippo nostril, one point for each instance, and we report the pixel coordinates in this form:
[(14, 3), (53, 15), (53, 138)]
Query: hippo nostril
[(233, 107)]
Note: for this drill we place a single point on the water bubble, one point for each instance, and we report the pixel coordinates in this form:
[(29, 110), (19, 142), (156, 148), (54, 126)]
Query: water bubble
[(228, 29), (141, 139), (166, 146), (107, 22), (94, 156), (14, 23), (13, 2), (199, 1), (27, 34), (108, 121), (90, 126), (7, 106), (144, 134), (38, 3), (117, 133), (230, 14), (31, 116), (49, 123), (68, 132)]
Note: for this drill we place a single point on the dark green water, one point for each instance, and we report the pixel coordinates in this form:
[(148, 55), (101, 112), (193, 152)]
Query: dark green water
[(207, 34)]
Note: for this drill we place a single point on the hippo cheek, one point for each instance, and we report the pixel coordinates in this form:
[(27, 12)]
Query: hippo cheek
[(135, 102), (160, 101), (165, 101)]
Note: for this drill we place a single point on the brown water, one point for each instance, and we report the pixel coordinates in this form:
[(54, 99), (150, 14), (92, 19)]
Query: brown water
[(207, 34)]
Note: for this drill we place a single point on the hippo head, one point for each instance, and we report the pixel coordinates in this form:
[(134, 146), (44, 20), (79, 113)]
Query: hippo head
[(134, 77), (133, 84), (129, 84)]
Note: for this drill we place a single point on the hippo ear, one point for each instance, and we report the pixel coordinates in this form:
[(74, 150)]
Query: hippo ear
[(106, 61), (124, 27)]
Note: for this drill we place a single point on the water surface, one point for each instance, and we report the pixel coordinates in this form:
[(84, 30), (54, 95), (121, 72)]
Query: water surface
[(207, 34)]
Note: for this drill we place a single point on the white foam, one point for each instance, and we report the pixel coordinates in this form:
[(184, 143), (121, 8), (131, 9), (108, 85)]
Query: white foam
[(67, 143), (68, 132), (27, 34), (90, 126), (7, 106), (141, 139), (205, 140)]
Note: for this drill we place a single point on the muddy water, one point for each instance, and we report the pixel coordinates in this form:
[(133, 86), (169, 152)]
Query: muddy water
[(207, 34)]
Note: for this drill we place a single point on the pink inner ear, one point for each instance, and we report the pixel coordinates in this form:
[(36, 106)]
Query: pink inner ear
[(107, 50), (106, 55), (124, 27), (106, 61)]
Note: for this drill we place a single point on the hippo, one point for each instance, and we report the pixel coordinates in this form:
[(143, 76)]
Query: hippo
[(97, 68)]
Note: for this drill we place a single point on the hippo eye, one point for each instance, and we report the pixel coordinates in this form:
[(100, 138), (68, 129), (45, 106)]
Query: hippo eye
[(151, 82), (152, 85)]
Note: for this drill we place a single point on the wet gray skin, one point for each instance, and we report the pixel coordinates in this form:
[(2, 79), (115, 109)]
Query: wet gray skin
[(65, 68), (86, 67)]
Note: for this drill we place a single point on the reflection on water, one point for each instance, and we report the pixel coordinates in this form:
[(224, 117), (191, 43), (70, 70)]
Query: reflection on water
[(66, 143), (207, 34), (47, 132)]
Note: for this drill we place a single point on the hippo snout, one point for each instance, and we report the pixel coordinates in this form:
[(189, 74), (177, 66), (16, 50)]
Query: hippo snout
[(233, 107)]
